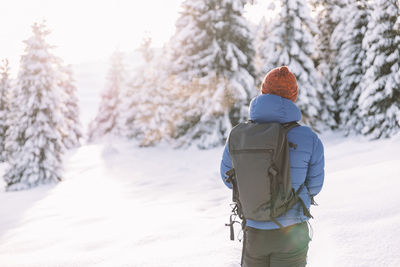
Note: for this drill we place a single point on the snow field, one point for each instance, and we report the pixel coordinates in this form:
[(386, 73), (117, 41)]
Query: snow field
[(120, 205), (358, 214)]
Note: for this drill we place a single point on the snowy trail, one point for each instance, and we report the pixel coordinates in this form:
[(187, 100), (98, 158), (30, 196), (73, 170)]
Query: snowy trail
[(118, 208), (124, 206)]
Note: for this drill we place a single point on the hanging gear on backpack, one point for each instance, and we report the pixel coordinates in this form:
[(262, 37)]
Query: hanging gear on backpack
[(236, 206), (261, 184)]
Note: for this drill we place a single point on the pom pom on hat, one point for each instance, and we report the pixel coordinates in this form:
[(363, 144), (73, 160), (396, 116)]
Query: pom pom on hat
[(280, 81)]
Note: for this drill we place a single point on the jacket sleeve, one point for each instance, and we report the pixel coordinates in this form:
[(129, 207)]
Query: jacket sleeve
[(315, 173), (226, 165)]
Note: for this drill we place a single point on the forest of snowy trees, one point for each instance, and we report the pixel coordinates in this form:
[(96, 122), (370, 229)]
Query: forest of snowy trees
[(192, 91), (345, 55)]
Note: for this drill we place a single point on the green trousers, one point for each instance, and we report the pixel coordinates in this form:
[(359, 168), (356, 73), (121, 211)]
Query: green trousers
[(285, 247)]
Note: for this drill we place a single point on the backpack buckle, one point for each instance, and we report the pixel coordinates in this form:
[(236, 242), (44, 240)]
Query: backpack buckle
[(230, 174), (272, 171)]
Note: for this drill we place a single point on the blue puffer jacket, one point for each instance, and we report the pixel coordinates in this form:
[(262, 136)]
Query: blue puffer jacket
[(306, 161)]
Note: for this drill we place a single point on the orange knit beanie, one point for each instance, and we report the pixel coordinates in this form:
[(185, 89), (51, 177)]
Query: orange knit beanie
[(280, 81)]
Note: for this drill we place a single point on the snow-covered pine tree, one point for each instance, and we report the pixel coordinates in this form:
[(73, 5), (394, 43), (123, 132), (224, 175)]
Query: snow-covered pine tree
[(291, 43), (107, 121), (156, 110), (380, 98), (193, 123), (328, 14), (5, 90), (348, 69), (213, 45), (33, 136), (73, 129), (130, 105), (262, 54), (137, 95)]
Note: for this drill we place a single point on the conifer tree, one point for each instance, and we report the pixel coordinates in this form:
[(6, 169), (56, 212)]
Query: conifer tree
[(213, 45), (72, 131), (148, 105), (349, 63), (33, 136), (155, 112), (328, 14), (138, 95), (107, 121), (292, 44), (380, 97), (130, 105), (158, 108), (261, 47), (5, 90)]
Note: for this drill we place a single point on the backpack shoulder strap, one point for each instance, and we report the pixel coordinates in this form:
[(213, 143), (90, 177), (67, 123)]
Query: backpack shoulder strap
[(290, 125), (287, 127)]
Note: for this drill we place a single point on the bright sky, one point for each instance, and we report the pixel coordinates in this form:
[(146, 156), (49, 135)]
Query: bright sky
[(85, 30)]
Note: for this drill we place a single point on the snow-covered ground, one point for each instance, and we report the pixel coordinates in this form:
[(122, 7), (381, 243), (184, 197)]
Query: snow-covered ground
[(120, 205)]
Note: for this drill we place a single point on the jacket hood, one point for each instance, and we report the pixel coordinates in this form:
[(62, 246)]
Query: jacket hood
[(273, 108)]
